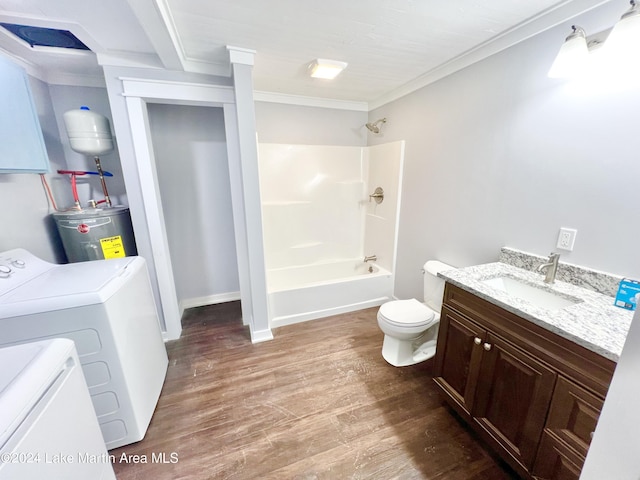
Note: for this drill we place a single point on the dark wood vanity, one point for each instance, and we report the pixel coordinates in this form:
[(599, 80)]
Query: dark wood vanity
[(532, 395)]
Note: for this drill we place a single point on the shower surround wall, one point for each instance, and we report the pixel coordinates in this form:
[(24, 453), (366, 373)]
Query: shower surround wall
[(381, 227), (319, 224)]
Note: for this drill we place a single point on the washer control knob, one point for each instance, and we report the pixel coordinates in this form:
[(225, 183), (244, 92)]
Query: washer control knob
[(19, 263), (5, 271)]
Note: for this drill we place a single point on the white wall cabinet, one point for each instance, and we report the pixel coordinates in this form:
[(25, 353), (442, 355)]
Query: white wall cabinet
[(22, 148)]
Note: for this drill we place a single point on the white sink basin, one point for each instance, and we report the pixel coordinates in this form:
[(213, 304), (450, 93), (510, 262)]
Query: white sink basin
[(530, 293)]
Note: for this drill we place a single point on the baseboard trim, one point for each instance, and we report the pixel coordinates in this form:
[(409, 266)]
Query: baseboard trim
[(261, 336), (208, 300)]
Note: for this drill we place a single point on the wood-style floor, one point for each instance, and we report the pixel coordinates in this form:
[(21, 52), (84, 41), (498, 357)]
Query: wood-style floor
[(317, 402)]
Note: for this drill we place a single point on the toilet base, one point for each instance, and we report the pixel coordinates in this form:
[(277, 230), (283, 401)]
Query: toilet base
[(402, 353)]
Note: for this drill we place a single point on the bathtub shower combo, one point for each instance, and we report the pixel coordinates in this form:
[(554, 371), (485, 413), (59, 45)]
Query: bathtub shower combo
[(330, 216), (297, 294)]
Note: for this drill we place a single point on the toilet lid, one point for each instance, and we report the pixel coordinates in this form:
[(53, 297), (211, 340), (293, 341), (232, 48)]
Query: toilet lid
[(407, 313)]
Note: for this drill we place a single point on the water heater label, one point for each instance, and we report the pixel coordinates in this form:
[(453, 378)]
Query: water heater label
[(112, 247)]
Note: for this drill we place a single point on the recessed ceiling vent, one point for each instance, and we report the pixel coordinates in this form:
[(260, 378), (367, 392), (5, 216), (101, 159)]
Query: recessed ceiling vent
[(45, 37)]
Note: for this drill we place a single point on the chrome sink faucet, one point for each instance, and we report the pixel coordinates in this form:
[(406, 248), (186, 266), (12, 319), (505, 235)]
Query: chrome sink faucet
[(551, 268)]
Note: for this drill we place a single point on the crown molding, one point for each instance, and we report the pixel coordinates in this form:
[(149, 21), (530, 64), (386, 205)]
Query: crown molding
[(130, 59), (74, 80), (207, 68), (301, 100), (29, 67), (544, 21)]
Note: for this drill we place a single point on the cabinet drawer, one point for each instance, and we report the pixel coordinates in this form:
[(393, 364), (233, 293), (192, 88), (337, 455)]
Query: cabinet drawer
[(573, 415), (556, 461)]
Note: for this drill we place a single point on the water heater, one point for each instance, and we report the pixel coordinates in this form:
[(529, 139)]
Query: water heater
[(93, 233), (96, 233)]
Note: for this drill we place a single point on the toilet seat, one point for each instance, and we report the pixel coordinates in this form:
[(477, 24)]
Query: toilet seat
[(406, 313)]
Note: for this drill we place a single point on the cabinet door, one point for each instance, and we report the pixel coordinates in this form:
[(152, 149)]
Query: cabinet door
[(512, 398), (458, 356), (22, 146)]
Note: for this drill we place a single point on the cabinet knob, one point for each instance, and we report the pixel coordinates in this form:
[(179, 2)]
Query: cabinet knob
[(477, 340), (487, 346)]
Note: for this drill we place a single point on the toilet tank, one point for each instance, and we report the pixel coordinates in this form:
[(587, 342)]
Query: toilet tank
[(434, 285)]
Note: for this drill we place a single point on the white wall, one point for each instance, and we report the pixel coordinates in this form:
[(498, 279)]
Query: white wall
[(24, 210), (278, 123), (498, 154), (193, 174), (614, 450)]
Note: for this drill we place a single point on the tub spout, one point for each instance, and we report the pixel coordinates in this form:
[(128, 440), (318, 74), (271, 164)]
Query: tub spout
[(370, 258)]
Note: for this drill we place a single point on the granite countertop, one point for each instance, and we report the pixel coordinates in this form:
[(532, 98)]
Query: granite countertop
[(594, 322)]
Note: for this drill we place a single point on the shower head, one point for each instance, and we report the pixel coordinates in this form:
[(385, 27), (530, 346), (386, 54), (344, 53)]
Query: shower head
[(373, 127)]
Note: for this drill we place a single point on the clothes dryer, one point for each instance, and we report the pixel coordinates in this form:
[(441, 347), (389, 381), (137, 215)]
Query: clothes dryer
[(48, 428)]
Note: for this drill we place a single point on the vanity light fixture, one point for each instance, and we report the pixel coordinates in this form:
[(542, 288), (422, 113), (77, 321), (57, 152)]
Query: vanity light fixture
[(622, 41), (327, 69), (625, 35), (573, 55)]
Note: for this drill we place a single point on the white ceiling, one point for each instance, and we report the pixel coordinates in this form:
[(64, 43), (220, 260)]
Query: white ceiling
[(387, 43)]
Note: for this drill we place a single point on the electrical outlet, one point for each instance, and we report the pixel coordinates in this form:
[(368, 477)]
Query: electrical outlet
[(567, 238)]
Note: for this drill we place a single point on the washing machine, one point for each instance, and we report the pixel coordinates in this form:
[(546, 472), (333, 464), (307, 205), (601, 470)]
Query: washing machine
[(106, 307), (48, 428)]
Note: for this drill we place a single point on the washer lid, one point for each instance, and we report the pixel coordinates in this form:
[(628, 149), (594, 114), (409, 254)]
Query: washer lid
[(407, 312), (68, 286)]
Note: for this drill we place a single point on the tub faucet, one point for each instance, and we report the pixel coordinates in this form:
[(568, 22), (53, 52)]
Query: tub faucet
[(551, 267), (370, 258)]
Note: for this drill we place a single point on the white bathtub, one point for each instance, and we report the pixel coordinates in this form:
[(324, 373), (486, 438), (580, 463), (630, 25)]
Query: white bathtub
[(298, 294)]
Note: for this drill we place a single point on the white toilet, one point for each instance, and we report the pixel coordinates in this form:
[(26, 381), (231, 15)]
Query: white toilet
[(411, 328)]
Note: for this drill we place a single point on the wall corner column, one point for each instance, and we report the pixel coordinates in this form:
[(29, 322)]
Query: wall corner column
[(241, 67)]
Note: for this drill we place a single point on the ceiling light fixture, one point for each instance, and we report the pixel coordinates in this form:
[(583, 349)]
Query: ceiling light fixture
[(573, 55), (327, 69)]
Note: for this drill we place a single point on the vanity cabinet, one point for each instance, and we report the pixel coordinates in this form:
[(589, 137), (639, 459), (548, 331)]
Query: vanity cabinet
[(532, 395)]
